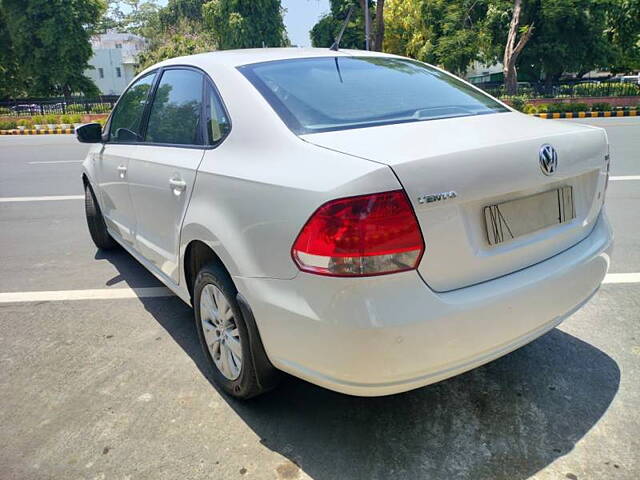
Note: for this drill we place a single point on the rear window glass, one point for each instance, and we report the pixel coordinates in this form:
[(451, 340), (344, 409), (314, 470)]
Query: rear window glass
[(336, 93)]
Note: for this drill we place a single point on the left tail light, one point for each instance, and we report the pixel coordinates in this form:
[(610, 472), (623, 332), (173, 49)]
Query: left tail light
[(359, 236)]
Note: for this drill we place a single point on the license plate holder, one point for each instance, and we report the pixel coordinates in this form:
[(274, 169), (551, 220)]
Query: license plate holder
[(514, 218)]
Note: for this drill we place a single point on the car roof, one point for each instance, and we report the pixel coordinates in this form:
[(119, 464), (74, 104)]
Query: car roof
[(236, 58)]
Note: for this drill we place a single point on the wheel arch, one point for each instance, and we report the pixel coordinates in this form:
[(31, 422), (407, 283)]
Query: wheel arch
[(197, 254), (199, 246)]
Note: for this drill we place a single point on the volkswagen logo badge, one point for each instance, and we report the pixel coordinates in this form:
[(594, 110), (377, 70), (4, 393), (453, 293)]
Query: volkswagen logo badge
[(548, 159)]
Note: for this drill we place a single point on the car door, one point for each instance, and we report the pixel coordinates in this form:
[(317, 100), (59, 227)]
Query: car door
[(124, 131), (162, 169)]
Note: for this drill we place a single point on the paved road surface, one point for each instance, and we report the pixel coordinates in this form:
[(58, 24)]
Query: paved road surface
[(118, 388)]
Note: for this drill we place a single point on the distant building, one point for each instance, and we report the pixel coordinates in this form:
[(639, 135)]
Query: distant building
[(114, 60)]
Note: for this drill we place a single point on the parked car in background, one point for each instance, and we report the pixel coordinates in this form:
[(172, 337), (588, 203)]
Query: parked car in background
[(630, 79), (27, 109), (363, 221)]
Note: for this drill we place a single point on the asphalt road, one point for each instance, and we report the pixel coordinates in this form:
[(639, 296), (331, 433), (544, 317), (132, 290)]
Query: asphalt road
[(118, 388)]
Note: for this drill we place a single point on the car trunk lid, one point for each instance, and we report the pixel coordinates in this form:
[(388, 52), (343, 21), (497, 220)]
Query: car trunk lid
[(473, 162)]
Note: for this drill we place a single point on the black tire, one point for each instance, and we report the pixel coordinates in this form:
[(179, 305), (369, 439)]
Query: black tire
[(95, 222), (248, 383)]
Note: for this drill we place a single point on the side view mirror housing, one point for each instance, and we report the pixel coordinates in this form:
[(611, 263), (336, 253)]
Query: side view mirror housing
[(89, 133)]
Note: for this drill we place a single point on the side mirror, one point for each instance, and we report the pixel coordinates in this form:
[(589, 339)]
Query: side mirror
[(89, 133)]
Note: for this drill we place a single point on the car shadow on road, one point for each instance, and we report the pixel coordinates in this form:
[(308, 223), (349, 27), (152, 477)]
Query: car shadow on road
[(507, 419), (130, 272)]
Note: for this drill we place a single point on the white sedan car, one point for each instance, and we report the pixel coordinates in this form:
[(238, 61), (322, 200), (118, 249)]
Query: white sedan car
[(363, 221)]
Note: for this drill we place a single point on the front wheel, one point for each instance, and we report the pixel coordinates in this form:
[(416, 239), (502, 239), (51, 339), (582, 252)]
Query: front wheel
[(227, 338)]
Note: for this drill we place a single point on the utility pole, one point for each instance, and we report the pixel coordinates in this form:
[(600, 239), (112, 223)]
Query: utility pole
[(367, 27)]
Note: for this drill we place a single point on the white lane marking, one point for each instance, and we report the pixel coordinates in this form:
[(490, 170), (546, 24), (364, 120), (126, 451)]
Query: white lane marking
[(148, 292), (55, 161), (625, 177), (622, 278), (94, 294), (41, 199)]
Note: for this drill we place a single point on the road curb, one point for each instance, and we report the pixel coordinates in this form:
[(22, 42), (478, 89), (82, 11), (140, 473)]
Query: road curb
[(46, 131), (617, 113)]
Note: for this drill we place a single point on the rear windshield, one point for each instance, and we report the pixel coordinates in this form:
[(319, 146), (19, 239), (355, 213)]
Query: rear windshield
[(336, 93)]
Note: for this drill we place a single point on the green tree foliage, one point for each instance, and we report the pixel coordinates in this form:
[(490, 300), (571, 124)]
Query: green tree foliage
[(183, 39), (11, 83), (324, 32), (623, 31), (142, 17), (179, 10), (567, 35), (326, 29), (171, 31), (50, 40), (441, 32), (245, 23)]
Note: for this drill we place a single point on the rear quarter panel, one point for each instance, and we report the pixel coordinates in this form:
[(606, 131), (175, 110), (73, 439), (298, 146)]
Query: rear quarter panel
[(254, 192)]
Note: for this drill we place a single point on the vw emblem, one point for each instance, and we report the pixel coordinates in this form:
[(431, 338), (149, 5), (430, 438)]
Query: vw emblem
[(548, 159)]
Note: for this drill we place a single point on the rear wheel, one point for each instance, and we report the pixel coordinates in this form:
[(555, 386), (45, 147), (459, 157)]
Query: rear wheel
[(225, 335), (95, 222)]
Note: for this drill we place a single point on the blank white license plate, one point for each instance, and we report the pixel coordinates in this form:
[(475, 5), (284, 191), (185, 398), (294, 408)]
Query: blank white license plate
[(512, 219)]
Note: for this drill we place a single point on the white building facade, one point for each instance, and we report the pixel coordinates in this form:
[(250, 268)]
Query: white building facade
[(114, 60)]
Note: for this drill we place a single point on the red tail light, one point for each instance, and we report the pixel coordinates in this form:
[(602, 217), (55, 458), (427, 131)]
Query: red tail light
[(364, 235)]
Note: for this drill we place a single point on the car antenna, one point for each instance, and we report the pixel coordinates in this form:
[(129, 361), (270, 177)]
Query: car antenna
[(336, 44)]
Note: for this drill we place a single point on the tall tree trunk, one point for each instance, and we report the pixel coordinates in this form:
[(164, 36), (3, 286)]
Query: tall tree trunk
[(367, 19), (378, 38), (512, 49)]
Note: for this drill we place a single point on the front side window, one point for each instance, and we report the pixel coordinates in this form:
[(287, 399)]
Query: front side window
[(176, 109), (218, 123), (337, 93), (126, 121)]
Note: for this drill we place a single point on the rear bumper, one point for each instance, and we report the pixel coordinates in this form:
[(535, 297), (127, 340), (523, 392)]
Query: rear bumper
[(388, 334)]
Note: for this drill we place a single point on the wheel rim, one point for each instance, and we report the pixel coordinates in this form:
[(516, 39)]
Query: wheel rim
[(221, 332)]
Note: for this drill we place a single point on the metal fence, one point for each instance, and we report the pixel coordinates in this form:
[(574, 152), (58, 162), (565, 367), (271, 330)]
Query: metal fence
[(57, 106), (568, 90)]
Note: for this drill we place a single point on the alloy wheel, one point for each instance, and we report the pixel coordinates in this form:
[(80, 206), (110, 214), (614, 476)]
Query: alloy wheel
[(221, 332)]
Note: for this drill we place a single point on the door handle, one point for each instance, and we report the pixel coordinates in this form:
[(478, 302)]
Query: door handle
[(122, 170), (177, 185)]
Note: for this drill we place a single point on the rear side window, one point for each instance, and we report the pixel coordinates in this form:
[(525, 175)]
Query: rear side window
[(126, 121), (218, 124), (176, 109), (337, 93)]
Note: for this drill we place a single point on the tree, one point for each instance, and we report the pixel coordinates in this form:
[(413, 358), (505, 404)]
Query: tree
[(378, 29), (569, 37), (177, 10), (623, 31), (326, 29), (512, 49), (624, 34), (245, 23), (11, 83), (183, 39), (539, 38), (50, 40), (142, 17), (442, 32)]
